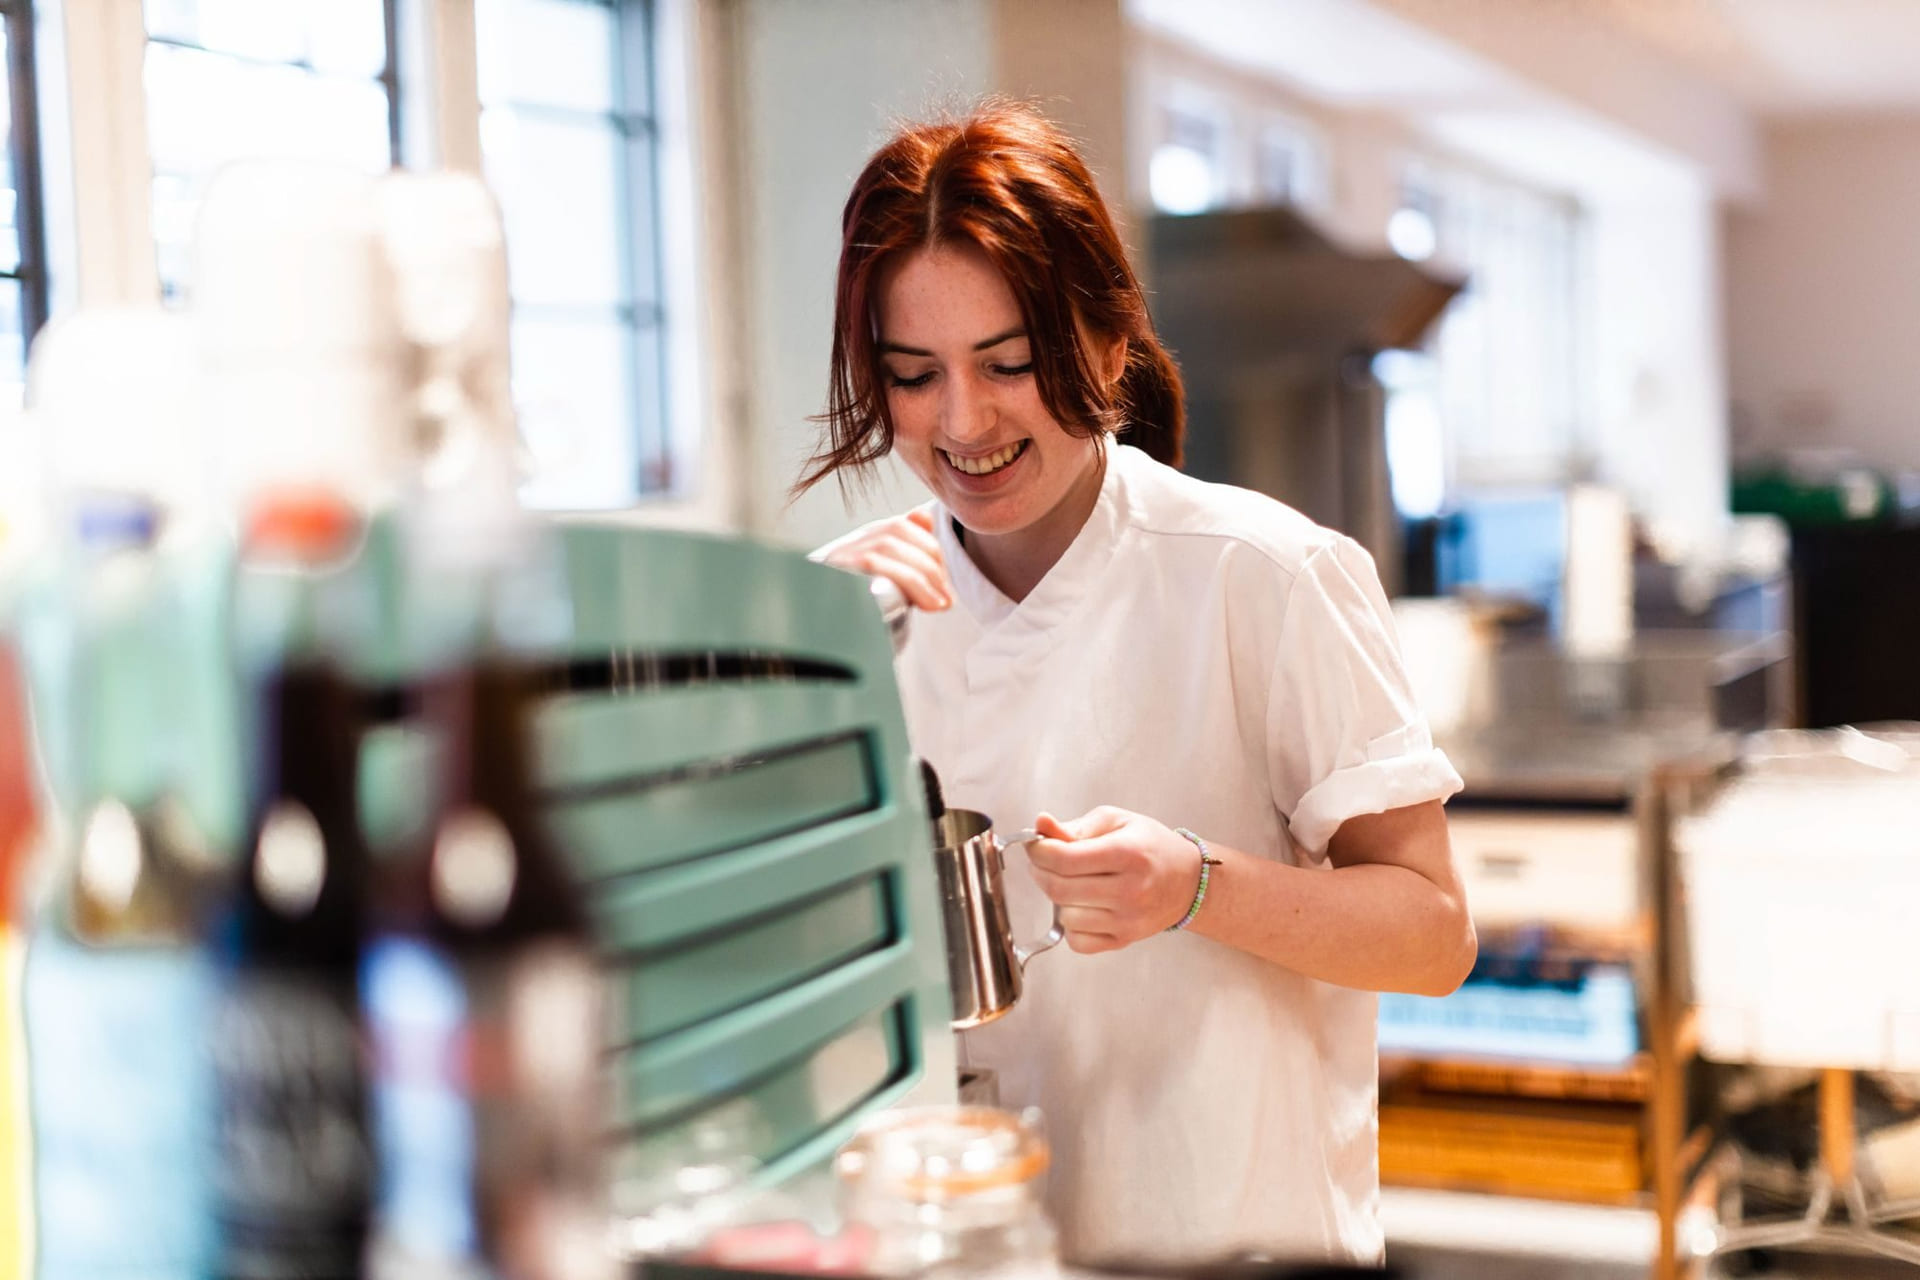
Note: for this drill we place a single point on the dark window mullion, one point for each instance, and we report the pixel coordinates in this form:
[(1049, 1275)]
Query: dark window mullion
[(251, 59), (29, 213), (390, 77), (635, 119)]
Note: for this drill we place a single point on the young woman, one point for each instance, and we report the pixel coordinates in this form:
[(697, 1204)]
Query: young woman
[(1193, 691)]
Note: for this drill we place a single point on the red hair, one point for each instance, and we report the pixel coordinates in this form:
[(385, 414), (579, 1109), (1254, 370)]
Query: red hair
[(1009, 182)]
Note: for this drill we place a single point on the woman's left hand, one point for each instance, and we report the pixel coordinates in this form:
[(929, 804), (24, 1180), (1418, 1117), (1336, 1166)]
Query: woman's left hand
[(1116, 876)]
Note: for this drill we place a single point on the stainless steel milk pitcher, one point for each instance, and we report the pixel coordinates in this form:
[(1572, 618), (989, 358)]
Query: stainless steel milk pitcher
[(984, 963)]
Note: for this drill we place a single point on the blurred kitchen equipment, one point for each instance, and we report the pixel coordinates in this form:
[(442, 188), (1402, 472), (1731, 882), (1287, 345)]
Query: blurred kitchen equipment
[(984, 964), (1797, 875), (731, 781), (1266, 314), (951, 1191)]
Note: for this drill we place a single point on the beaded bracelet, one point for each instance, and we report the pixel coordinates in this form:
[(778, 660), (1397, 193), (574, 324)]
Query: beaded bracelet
[(1207, 863)]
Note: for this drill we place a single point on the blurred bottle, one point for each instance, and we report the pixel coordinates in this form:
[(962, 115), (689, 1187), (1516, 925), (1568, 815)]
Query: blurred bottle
[(115, 986), (481, 989), (293, 1188), (22, 492), (490, 1157), (17, 824), (302, 371)]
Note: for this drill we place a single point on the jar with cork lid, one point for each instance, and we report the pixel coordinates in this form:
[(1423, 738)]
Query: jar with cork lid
[(951, 1191)]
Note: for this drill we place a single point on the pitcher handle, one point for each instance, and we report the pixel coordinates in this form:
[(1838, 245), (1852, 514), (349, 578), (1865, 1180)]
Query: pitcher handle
[(1055, 935)]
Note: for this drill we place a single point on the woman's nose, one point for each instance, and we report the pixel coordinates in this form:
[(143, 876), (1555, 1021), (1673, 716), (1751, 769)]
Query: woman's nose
[(969, 409)]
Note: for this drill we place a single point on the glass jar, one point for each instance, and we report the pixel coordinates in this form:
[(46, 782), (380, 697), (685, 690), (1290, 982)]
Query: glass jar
[(951, 1191)]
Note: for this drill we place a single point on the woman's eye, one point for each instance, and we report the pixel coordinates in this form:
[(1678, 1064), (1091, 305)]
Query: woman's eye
[(896, 380), (1013, 370)]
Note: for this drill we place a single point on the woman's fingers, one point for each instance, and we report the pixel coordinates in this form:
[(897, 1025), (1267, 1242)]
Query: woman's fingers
[(1086, 919), (905, 552), (1081, 891), (1090, 944), (1089, 930), (923, 561)]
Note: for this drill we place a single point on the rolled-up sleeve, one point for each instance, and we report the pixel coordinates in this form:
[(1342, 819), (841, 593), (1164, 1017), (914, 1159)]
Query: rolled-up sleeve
[(1344, 735)]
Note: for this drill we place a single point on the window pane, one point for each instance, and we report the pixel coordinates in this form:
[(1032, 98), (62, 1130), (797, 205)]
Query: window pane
[(13, 349), (9, 228), (347, 39), (341, 37), (555, 53), (204, 110), (560, 195), (571, 381), (176, 199)]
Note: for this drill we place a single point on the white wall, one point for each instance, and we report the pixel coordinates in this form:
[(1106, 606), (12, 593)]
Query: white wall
[(1823, 292), (816, 86), (1655, 358), (818, 82)]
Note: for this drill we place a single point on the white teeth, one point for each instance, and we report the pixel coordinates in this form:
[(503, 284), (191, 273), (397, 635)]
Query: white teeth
[(989, 464)]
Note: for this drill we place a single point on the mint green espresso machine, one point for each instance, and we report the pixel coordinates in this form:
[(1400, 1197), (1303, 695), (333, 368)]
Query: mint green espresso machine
[(723, 757)]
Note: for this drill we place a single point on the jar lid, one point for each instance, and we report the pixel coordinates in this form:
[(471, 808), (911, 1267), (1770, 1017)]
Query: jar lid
[(944, 1153)]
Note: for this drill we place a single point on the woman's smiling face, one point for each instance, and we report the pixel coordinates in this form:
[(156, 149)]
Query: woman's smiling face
[(956, 365)]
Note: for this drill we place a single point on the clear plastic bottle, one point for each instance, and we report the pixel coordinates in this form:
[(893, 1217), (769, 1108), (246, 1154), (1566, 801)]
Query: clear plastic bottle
[(950, 1192)]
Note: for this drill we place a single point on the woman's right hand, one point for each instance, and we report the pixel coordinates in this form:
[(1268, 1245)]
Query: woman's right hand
[(901, 549)]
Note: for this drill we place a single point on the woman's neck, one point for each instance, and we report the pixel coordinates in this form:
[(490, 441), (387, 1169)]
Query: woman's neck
[(1016, 562)]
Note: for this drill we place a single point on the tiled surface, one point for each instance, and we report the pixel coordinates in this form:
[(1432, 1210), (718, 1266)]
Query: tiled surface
[(1449, 1264), (1444, 1236)]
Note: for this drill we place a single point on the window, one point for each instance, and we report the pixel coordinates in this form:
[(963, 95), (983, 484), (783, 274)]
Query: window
[(234, 79), (567, 129), (1289, 165), (1187, 172), (1217, 149), (23, 251), (1503, 369)]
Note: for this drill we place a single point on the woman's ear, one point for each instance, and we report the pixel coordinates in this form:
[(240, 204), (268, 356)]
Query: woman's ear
[(1114, 366)]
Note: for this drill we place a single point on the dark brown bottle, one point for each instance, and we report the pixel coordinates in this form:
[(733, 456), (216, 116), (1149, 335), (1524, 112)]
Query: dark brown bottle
[(484, 922), (294, 1166)]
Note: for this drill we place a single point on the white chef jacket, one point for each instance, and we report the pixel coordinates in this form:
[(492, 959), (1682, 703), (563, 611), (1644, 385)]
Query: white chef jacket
[(1213, 659)]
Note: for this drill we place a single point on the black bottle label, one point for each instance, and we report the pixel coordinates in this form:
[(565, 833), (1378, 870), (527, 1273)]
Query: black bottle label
[(294, 1173)]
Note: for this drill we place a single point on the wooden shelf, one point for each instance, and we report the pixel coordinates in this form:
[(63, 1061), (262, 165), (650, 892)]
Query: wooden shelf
[(1587, 1151), (1631, 1081)]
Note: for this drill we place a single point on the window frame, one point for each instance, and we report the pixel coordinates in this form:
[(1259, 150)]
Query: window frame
[(99, 210), (388, 78), (644, 313)]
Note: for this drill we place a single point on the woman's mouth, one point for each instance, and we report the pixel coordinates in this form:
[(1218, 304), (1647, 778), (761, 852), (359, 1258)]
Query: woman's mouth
[(987, 464)]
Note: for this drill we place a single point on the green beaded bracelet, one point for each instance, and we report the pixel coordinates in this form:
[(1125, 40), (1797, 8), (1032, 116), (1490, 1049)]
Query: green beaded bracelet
[(1207, 863)]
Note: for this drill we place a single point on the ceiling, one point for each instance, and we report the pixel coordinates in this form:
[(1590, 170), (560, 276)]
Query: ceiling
[(1778, 57), (1772, 57), (1377, 56)]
